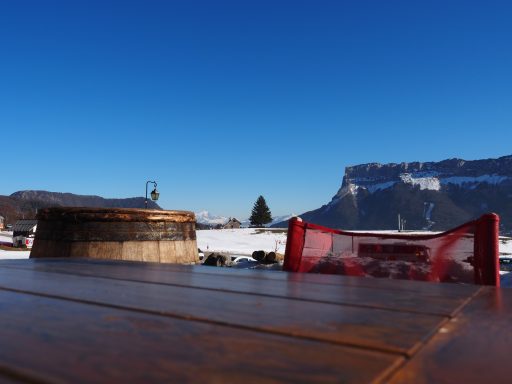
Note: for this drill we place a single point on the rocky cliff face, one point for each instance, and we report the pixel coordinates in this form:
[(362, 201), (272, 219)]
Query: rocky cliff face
[(433, 195)]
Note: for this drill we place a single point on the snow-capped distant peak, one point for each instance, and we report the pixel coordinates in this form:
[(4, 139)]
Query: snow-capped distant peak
[(205, 217)]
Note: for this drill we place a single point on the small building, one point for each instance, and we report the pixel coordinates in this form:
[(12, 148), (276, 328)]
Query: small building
[(2, 223), (232, 224), (23, 233)]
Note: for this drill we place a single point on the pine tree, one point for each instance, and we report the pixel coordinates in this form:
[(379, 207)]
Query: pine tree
[(260, 214)]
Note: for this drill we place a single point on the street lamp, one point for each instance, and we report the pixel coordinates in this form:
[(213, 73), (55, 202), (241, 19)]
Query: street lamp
[(154, 193)]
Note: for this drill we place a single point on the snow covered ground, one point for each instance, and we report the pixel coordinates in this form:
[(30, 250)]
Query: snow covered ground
[(241, 241), (14, 254)]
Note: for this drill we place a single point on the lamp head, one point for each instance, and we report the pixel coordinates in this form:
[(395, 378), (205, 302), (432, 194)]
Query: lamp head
[(155, 195)]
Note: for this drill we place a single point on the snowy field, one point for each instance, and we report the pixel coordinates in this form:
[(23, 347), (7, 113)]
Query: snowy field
[(242, 241)]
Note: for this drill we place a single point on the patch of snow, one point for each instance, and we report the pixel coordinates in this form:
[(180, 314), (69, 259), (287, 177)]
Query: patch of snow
[(242, 259), (425, 179), (4, 255), (506, 246), (428, 212), (352, 189), (380, 186), (470, 182), (430, 183), (349, 189)]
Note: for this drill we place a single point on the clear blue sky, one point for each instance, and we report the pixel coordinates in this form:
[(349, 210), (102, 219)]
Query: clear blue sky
[(223, 101)]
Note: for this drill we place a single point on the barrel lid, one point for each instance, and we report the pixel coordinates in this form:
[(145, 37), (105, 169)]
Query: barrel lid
[(78, 214)]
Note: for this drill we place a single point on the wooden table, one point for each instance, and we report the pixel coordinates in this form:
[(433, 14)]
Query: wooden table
[(78, 320)]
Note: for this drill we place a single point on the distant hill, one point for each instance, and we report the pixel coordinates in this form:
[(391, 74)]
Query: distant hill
[(432, 195), (24, 204)]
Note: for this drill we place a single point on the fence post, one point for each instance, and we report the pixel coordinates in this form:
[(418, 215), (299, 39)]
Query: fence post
[(487, 265), (294, 244)]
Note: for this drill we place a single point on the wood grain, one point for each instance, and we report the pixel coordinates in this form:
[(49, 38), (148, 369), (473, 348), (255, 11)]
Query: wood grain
[(431, 303), (127, 234), (86, 214), (59, 341), (6, 378), (372, 328), (98, 321), (437, 290), (474, 347)]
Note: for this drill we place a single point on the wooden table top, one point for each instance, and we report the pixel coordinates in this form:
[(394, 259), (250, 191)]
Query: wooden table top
[(78, 320)]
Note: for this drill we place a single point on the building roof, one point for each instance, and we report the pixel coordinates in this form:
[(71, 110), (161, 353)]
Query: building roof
[(24, 225)]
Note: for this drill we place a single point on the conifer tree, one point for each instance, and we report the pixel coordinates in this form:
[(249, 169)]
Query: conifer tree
[(260, 214)]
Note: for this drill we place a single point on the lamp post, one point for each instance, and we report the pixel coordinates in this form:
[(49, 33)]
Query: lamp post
[(154, 193)]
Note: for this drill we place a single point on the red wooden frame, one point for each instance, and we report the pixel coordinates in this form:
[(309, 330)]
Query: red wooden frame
[(486, 244)]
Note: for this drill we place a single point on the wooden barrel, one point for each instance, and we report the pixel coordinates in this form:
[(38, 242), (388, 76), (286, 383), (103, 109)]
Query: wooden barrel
[(120, 234)]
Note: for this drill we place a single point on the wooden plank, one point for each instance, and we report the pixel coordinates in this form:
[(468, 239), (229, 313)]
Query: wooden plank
[(88, 214), (441, 290), (118, 231), (351, 295), (5, 379), (474, 347), (19, 375), (365, 327), (60, 341)]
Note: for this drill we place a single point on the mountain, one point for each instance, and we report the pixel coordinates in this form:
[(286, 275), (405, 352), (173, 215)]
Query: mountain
[(432, 195), (281, 219), (25, 203), (205, 217)]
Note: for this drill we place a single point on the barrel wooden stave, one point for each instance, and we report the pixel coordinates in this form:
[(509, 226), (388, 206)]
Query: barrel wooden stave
[(118, 234)]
